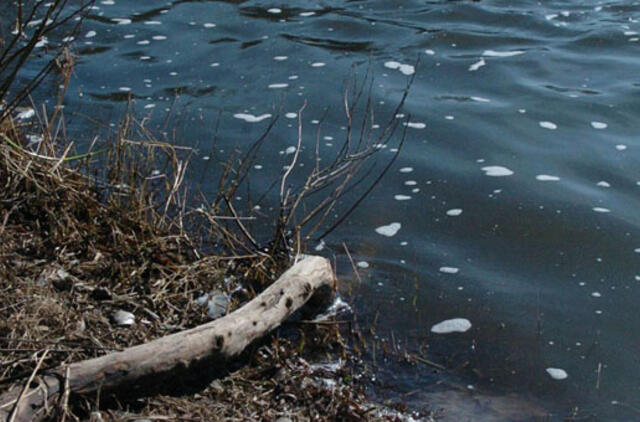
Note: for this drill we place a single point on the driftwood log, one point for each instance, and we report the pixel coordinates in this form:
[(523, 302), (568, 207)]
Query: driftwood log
[(219, 340)]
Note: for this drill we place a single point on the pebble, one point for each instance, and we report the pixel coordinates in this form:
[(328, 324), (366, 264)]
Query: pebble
[(217, 306), (123, 318)]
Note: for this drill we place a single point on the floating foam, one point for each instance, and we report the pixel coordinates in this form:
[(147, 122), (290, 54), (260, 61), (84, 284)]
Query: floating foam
[(548, 125), (547, 178), (493, 53), (26, 114), (455, 325), (599, 125), (401, 197), (278, 86), (449, 270), (415, 125), (496, 171), (405, 69), (250, 118), (389, 230), (557, 373), (477, 65), (601, 209), (454, 212)]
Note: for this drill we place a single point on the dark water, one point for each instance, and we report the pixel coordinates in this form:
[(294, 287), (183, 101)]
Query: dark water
[(543, 259)]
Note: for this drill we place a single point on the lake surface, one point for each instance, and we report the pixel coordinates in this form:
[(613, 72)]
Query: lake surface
[(517, 190)]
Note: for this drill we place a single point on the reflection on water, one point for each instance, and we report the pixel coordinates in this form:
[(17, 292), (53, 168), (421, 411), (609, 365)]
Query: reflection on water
[(514, 203)]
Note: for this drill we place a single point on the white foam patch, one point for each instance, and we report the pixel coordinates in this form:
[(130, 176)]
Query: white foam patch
[(416, 125), (477, 65), (494, 53), (557, 373), (497, 171), (389, 230), (401, 197), (547, 178), (548, 125), (121, 21), (455, 325), (274, 10), (599, 125), (26, 114), (406, 170), (290, 150), (306, 14), (91, 34), (209, 25), (318, 64), (481, 99), (430, 52), (278, 86), (363, 264), (603, 184), (449, 270), (291, 115), (405, 69), (621, 147), (280, 58), (454, 212), (601, 210), (250, 118)]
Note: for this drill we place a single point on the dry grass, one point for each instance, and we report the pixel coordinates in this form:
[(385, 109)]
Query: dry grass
[(77, 248)]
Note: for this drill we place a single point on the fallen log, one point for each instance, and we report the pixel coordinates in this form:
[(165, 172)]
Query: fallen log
[(218, 340)]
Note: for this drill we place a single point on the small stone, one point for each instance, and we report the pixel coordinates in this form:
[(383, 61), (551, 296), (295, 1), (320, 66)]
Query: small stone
[(123, 318), (61, 280), (217, 306), (202, 300), (101, 293)]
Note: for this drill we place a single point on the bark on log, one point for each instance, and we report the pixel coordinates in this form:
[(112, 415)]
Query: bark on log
[(221, 339)]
